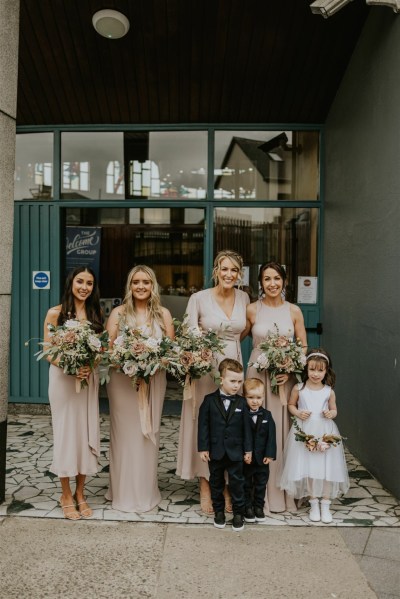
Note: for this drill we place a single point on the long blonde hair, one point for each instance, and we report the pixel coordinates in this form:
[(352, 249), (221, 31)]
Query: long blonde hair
[(154, 301), (233, 257)]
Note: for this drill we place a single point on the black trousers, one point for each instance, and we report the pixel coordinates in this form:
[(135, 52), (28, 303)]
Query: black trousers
[(256, 477), (236, 484)]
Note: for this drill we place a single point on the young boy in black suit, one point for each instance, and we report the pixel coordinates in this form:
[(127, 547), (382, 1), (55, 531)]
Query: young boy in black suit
[(224, 438), (256, 470)]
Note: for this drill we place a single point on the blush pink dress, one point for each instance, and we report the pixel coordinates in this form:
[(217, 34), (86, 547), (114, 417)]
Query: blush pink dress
[(133, 456), (204, 311), (267, 317), (75, 419)]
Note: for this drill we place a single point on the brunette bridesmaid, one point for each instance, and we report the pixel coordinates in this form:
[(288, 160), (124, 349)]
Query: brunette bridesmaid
[(222, 309), (264, 315), (75, 416)]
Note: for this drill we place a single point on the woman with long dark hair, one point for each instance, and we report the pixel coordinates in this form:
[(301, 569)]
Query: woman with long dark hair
[(75, 416), (269, 312)]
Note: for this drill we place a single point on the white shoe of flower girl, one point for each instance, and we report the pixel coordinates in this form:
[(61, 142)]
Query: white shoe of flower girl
[(326, 516), (314, 514)]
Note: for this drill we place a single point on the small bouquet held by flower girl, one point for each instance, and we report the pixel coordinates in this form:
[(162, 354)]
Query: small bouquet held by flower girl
[(138, 355), (280, 355), (75, 344), (313, 443), (191, 355)]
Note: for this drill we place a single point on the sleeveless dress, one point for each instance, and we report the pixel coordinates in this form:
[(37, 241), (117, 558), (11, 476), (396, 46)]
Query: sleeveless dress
[(317, 473), (76, 428), (204, 311), (266, 318), (134, 457)]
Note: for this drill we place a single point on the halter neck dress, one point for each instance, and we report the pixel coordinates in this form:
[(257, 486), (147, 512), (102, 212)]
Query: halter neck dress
[(268, 320)]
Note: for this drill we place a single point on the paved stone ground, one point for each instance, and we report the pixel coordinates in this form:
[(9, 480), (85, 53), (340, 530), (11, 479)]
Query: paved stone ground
[(31, 490)]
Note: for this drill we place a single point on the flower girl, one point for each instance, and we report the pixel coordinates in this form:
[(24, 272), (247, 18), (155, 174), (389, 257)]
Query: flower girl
[(314, 465)]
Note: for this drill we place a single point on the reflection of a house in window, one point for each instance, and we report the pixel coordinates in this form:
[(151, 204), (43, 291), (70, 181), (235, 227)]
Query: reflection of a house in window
[(144, 179), (254, 169)]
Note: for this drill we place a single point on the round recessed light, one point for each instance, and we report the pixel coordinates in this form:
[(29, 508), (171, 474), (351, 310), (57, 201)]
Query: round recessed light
[(110, 23)]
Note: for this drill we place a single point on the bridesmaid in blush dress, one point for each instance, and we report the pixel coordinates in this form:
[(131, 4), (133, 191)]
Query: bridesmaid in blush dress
[(262, 316), (75, 416), (223, 309), (134, 453)]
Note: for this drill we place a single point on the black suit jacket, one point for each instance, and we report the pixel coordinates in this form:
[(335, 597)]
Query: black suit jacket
[(264, 436), (224, 431)]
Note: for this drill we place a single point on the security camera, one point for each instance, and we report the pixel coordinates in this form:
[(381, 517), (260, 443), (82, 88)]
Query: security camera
[(327, 8), (395, 4)]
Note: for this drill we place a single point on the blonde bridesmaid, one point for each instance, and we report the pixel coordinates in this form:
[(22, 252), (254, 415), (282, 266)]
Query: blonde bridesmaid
[(223, 309), (134, 453)]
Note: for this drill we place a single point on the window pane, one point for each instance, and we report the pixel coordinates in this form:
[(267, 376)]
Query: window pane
[(34, 166), (285, 235), (92, 166), (266, 165), (137, 164), (167, 164)]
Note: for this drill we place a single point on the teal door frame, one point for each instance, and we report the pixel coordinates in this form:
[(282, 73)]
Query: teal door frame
[(38, 235)]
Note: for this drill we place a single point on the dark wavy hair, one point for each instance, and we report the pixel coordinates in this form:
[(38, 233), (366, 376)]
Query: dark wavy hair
[(93, 309), (323, 360), (275, 266)]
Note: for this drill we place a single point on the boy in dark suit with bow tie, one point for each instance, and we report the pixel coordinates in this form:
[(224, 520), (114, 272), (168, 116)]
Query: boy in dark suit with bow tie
[(256, 470), (224, 438)]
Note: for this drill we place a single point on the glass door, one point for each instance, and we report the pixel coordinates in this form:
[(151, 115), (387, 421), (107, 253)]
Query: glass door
[(169, 240), (284, 234)]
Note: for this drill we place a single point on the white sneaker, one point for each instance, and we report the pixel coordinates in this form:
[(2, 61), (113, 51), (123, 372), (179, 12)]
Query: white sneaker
[(326, 516), (314, 514)]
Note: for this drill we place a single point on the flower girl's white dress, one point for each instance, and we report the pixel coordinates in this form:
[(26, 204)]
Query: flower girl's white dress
[(315, 473)]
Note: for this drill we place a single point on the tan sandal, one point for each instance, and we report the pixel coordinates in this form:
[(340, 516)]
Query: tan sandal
[(206, 505), (86, 512), (72, 514), (205, 497)]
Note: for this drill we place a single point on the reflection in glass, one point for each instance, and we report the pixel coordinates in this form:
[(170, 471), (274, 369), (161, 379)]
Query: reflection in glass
[(33, 166), (170, 240), (134, 164), (266, 165), (92, 165), (167, 164), (286, 235)]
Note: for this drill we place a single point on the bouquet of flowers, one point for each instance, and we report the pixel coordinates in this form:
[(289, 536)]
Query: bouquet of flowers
[(313, 443), (76, 345), (138, 355), (191, 354), (280, 355)]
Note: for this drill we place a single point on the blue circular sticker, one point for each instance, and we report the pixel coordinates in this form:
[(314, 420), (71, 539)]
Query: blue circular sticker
[(41, 279)]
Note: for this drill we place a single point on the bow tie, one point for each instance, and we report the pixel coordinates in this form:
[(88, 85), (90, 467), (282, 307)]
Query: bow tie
[(256, 413), (227, 397)]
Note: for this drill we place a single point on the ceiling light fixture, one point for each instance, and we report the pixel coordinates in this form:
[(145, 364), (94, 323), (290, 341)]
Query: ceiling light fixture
[(110, 23)]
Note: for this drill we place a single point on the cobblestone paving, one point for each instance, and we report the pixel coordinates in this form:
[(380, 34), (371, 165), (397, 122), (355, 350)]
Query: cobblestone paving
[(34, 491)]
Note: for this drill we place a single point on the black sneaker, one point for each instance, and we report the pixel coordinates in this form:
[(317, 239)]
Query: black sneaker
[(259, 513), (237, 522), (219, 520), (249, 515)]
